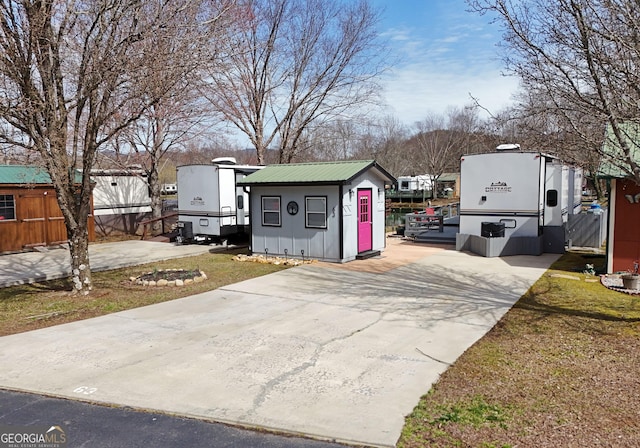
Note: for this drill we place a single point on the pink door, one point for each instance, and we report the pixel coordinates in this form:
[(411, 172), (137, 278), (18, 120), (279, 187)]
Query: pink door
[(365, 221)]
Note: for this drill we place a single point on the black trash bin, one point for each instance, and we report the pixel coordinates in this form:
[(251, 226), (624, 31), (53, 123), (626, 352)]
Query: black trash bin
[(492, 229)]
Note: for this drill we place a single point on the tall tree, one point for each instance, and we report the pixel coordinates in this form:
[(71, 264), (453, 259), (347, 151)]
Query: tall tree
[(535, 126), (441, 139), (179, 114), (385, 140), (294, 63), (581, 58), (71, 76)]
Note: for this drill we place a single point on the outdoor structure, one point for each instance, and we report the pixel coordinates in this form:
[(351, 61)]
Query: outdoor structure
[(120, 200), (211, 203), (29, 212), (448, 185), (332, 211), (407, 184), (623, 237), (516, 203)]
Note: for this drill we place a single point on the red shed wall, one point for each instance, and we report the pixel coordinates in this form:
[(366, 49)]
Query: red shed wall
[(626, 232), (38, 219)]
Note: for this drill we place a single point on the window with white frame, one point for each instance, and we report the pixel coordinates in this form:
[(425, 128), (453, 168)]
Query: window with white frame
[(271, 211), (7, 207), (316, 212)]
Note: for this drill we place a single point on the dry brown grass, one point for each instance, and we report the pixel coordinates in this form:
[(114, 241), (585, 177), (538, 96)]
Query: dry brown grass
[(559, 370), (29, 307)]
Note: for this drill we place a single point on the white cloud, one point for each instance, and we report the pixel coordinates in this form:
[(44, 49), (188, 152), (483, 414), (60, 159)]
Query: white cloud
[(413, 91), (438, 71)]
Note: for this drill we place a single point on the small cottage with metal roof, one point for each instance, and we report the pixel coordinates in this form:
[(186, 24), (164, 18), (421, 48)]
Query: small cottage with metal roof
[(29, 212), (623, 238), (331, 211)]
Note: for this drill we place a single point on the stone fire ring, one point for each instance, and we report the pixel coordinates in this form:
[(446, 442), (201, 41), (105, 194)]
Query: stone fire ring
[(169, 277)]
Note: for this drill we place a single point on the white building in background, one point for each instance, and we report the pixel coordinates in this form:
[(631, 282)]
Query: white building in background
[(408, 184), (120, 199)]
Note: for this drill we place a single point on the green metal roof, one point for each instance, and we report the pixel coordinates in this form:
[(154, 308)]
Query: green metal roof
[(449, 177), (317, 173), (613, 162), (28, 175), (19, 174)]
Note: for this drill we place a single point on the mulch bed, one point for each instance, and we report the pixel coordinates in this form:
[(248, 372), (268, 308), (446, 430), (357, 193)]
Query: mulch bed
[(614, 281)]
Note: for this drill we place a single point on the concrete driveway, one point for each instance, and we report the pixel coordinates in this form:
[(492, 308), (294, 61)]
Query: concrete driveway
[(29, 267), (334, 352)]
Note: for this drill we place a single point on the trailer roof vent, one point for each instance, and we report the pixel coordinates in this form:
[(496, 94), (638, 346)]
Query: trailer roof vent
[(225, 161), (508, 147)]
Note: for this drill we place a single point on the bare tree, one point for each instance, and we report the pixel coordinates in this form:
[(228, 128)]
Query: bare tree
[(70, 72), (580, 58), (535, 126), (441, 139), (385, 140), (294, 63), (179, 115)]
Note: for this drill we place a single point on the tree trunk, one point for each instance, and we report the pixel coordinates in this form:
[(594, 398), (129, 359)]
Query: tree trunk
[(153, 178), (79, 250)]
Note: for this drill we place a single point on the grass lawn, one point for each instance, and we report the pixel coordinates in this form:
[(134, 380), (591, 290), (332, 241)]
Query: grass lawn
[(27, 307), (560, 369)]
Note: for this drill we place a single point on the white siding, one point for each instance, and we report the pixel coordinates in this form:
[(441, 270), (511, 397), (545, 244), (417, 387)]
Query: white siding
[(199, 198), (364, 181), (501, 186), (117, 195)]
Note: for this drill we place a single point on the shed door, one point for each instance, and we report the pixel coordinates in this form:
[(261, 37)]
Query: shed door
[(31, 213), (365, 221), (56, 228)]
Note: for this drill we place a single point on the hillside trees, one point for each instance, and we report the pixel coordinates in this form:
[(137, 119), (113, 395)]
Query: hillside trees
[(292, 64), (579, 59), (440, 140), (71, 75)]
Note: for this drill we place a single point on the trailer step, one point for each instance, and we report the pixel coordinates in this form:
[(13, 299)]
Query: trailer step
[(434, 240)]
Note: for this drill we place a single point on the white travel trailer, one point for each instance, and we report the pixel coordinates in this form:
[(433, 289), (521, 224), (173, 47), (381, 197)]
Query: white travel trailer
[(514, 202), (120, 199), (211, 206), (414, 183)]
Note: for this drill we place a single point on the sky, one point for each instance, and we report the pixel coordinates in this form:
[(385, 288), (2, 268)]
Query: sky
[(444, 55)]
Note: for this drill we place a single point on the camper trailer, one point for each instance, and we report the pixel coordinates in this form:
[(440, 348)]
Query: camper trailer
[(408, 184), (211, 206), (118, 192), (514, 202), (120, 199)]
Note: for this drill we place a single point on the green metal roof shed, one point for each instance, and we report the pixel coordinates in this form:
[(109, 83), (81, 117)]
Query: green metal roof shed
[(613, 162), (29, 212), (623, 239), (331, 211), (449, 177), (319, 173)]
